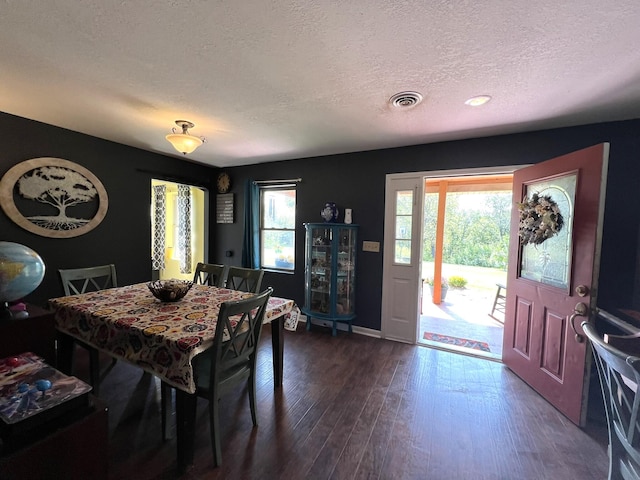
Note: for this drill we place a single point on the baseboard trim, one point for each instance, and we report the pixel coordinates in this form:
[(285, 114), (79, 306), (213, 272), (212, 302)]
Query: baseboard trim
[(369, 332)]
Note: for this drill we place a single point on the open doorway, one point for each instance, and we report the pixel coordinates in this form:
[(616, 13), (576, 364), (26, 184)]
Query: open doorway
[(178, 229), (464, 263)]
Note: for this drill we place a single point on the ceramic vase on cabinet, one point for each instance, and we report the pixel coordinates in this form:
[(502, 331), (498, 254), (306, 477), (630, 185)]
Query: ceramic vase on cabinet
[(330, 212), (347, 216)]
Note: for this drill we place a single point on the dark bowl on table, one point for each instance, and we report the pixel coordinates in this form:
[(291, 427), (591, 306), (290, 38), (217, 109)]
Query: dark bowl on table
[(169, 290)]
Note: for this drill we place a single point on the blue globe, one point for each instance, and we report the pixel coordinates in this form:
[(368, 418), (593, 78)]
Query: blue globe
[(21, 271)]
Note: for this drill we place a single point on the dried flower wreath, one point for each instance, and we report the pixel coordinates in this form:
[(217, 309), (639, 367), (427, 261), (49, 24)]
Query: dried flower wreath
[(540, 219)]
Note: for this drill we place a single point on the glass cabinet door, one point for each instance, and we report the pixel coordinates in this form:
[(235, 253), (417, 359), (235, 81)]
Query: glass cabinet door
[(345, 271), (320, 269)]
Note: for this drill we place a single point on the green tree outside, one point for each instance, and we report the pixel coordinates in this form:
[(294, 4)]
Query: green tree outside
[(476, 230)]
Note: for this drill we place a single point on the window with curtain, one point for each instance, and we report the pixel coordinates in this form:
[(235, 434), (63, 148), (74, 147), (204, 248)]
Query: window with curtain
[(277, 227)]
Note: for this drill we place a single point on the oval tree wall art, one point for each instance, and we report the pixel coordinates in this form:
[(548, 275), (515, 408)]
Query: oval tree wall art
[(53, 197)]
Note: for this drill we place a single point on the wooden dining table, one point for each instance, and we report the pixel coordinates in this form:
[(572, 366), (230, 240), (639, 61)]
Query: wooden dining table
[(130, 324)]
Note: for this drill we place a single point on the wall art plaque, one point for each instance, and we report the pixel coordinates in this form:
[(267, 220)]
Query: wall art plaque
[(53, 197)]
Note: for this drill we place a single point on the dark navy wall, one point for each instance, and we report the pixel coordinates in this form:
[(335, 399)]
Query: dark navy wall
[(124, 236), (352, 180), (357, 181)]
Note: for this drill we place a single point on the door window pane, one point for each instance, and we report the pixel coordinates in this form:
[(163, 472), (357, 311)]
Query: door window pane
[(403, 220), (550, 261)]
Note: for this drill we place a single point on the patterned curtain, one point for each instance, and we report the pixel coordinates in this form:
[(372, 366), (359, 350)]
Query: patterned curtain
[(184, 227), (159, 221)]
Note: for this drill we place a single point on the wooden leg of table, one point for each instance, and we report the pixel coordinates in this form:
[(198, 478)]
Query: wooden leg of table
[(64, 354), (166, 407), (277, 344), (94, 370), (185, 427)]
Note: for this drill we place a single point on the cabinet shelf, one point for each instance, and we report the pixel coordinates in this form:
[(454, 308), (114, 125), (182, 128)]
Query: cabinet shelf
[(330, 271)]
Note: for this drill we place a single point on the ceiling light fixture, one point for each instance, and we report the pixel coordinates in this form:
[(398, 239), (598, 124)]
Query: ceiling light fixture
[(184, 142), (478, 100)]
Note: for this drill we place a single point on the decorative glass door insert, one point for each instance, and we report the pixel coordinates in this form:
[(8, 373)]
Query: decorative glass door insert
[(550, 261)]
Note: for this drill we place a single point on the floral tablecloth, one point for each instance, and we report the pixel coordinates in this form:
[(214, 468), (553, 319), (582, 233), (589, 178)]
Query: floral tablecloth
[(162, 338)]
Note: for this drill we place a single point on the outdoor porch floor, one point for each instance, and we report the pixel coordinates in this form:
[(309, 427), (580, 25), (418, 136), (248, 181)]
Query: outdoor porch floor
[(465, 313)]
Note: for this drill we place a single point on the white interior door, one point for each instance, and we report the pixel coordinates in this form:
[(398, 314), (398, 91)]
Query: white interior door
[(402, 258)]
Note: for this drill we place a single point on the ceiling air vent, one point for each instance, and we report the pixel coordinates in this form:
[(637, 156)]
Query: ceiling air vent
[(405, 99)]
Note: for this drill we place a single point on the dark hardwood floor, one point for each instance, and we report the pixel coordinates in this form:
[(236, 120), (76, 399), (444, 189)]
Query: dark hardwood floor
[(356, 407)]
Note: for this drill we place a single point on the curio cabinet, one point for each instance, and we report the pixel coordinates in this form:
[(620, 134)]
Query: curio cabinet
[(330, 273)]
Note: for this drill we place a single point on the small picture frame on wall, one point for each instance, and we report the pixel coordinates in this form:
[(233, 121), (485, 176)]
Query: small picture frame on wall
[(224, 208)]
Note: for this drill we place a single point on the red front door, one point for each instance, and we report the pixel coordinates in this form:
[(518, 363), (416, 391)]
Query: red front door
[(549, 281)]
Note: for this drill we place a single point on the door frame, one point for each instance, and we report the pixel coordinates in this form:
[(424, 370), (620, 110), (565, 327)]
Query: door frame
[(387, 278)]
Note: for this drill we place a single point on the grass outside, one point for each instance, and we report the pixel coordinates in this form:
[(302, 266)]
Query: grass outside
[(478, 278)]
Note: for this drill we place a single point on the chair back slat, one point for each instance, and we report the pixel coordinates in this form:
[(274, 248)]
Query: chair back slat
[(89, 279), (237, 335), (619, 374), (245, 279), (210, 274)]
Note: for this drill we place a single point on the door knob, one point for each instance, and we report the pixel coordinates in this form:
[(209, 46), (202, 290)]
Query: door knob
[(582, 290), (580, 310)]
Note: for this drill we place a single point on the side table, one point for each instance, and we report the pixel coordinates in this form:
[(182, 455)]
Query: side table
[(73, 446), (34, 331)]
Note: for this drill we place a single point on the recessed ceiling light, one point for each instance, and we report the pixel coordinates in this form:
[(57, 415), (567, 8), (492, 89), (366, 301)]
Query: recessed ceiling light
[(405, 99), (478, 100)]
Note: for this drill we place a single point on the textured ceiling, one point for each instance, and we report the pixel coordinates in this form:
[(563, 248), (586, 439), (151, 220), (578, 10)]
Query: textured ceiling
[(274, 80)]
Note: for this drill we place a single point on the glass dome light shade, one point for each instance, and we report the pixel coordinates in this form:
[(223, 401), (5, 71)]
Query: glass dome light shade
[(184, 143)]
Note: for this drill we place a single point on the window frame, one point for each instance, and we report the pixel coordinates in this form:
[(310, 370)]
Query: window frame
[(261, 227)]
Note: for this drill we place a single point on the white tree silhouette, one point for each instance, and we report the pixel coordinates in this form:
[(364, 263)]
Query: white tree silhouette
[(60, 187)]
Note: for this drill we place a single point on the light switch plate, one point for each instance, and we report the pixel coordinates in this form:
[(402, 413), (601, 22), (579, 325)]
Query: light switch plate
[(370, 246)]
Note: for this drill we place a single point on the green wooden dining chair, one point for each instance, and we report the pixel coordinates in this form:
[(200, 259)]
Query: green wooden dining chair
[(210, 274), (245, 279), (619, 373), (230, 360), (90, 279)]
